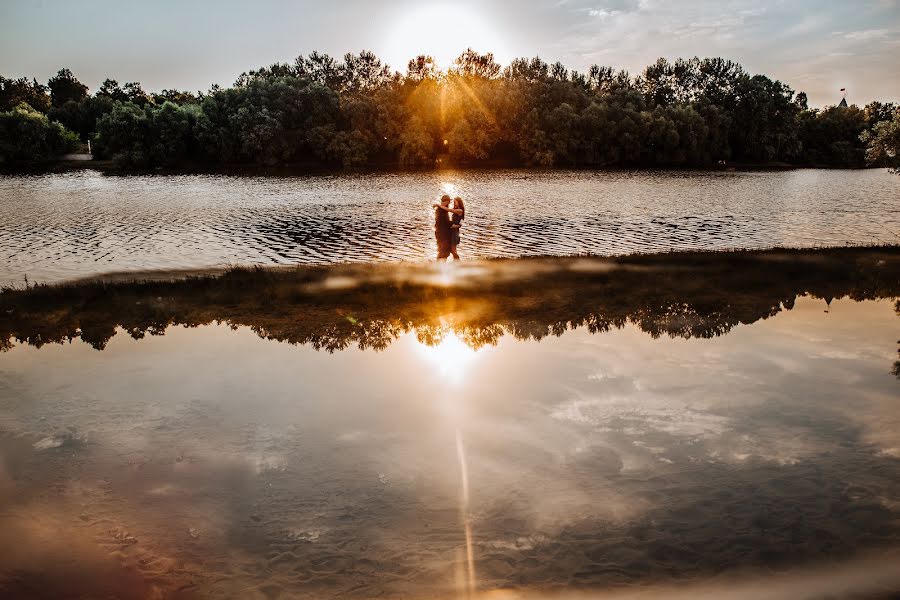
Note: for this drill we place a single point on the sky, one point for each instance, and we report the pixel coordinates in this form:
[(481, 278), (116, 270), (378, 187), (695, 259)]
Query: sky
[(815, 46)]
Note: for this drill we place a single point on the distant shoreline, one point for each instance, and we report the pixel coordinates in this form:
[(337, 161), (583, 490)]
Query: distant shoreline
[(110, 167)]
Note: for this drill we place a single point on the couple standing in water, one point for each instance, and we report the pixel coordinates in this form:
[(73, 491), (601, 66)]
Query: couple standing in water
[(447, 223)]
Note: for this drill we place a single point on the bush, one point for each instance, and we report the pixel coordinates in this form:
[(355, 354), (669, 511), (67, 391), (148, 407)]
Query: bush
[(28, 136)]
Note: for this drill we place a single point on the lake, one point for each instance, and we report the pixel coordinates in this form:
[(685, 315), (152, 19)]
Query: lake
[(683, 426), (62, 226)]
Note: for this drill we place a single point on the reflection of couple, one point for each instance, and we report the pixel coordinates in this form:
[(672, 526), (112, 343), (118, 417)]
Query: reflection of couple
[(447, 222)]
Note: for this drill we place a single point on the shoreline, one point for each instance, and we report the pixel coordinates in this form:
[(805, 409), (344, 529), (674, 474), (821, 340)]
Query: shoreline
[(109, 167), (658, 259)]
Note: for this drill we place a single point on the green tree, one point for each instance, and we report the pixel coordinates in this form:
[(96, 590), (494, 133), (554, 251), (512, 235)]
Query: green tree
[(831, 136), (124, 135), (110, 89), (65, 87), (876, 112), (420, 68), (883, 143), (321, 69), (364, 72), (473, 64), (28, 136), (135, 93), (172, 134), (470, 139), (357, 112), (416, 144), (17, 91), (81, 117), (764, 121), (175, 97)]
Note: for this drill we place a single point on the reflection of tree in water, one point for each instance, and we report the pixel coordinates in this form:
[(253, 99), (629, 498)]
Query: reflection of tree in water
[(677, 295), (896, 369)]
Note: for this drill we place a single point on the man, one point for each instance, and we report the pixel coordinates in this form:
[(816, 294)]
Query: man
[(442, 231)]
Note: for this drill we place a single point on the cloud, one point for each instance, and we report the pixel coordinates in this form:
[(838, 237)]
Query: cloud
[(607, 7), (867, 34), (808, 24), (603, 14)]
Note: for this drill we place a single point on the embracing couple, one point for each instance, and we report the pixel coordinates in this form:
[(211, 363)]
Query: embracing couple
[(447, 222)]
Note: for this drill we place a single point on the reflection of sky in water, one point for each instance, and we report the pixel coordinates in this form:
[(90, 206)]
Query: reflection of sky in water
[(220, 463)]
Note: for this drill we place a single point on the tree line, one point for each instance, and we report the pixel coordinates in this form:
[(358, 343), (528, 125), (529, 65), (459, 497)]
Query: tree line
[(357, 112)]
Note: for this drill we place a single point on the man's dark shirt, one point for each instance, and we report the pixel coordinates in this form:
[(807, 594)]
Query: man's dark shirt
[(442, 229)]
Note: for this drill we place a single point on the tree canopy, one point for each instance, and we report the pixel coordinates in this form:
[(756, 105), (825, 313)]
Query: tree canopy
[(357, 112)]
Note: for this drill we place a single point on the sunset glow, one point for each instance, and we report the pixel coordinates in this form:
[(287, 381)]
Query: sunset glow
[(442, 31)]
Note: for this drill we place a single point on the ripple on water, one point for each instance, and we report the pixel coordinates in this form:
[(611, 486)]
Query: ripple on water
[(66, 225)]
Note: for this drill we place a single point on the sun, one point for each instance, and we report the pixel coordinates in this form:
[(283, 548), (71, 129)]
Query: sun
[(443, 31)]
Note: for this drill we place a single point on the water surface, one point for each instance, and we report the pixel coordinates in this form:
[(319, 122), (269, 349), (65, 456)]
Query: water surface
[(68, 225), (732, 431)]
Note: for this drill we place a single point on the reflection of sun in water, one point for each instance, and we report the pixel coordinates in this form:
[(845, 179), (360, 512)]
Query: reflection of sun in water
[(450, 189), (451, 356), (442, 31)]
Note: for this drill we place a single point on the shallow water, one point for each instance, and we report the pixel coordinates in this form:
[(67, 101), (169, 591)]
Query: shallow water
[(734, 441), (69, 225)]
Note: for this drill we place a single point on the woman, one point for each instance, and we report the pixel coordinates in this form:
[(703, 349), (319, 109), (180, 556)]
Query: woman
[(459, 213)]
